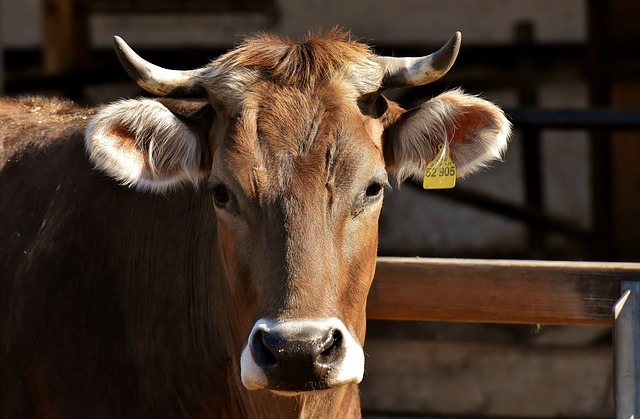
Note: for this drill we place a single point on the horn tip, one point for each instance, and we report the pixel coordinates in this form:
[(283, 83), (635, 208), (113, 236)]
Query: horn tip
[(455, 40), (119, 45)]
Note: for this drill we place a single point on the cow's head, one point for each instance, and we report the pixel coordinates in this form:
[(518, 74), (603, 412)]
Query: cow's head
[(294, 141)]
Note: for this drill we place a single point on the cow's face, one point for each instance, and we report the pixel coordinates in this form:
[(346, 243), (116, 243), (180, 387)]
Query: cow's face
[(294, 143), (297, 183)]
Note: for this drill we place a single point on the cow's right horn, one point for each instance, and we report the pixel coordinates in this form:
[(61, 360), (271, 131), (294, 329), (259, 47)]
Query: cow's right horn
[(157, 80)]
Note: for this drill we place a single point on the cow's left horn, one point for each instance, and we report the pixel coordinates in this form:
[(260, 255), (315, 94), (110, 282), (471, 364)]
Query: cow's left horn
[(410, 71), (157, 80)]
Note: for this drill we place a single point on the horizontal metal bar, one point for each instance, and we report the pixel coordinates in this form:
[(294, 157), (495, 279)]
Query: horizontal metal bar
[(573, 119), (532, 217)]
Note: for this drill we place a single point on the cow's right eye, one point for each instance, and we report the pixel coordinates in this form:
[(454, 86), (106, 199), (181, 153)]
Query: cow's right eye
[(220, 195)]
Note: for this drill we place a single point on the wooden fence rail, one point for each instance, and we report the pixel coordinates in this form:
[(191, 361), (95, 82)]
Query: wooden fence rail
[(498, 291), (528, 292)]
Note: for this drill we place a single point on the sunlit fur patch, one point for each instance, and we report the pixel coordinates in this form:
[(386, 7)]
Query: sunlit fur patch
[(303, 65), (141, 144)]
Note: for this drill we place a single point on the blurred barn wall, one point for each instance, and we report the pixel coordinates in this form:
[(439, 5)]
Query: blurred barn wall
[(398, 22), (545, 54)]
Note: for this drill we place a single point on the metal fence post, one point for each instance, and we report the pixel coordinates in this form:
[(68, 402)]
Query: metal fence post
[(626, 340)]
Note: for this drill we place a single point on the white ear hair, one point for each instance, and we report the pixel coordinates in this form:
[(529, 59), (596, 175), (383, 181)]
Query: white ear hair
[(475, 132), (141, 144)]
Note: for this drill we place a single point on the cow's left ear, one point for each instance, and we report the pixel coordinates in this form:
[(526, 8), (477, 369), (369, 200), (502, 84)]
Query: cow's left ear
[(151, 144), (475, 131)]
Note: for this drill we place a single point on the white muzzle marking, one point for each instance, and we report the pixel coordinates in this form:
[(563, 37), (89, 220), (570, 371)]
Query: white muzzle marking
[(349, 368)]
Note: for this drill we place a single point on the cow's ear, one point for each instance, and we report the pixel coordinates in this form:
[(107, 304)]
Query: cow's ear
[(474, 130), (151, 144)]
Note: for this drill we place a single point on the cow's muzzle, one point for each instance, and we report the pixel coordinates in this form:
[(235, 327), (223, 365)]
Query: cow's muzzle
[(300, 355)]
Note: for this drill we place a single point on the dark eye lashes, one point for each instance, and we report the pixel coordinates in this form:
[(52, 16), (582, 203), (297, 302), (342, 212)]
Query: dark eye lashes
[(374, 189), (220, 194)]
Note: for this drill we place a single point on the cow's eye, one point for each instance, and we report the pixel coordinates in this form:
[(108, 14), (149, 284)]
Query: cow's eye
[(374, 189), (220, 195), (369, 197)]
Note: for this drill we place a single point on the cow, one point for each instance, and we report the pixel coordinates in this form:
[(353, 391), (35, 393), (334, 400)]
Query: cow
[(206, 252)]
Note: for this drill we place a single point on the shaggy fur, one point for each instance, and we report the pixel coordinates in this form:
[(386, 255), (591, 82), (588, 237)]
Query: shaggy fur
[(141, 143), (300, 65)]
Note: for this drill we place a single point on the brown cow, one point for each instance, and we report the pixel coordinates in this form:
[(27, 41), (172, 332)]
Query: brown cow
[(242, 298)]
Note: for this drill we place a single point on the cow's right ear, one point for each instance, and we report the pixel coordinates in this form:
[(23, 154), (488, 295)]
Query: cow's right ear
[(148, 144)]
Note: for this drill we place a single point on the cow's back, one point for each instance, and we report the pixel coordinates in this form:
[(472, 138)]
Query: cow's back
[(106, 294)]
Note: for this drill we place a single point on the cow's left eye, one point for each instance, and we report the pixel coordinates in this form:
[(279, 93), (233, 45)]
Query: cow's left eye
[(369, 197), (374, 189)]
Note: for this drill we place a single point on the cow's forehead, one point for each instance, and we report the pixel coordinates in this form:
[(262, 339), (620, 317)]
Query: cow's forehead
[(286, 136), (293, 107), (298, 65), (299, 122)]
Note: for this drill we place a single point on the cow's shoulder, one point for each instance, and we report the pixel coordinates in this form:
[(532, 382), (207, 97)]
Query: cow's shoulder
[(32, 123)]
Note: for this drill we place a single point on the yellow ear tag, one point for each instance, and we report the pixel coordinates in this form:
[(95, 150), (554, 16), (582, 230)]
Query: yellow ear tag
[(440, 173)]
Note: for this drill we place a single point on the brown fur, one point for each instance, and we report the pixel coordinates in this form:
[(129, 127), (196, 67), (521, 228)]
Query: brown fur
[(41, 118), (85, 298), (173, 340), (117, 303), (300, 64)]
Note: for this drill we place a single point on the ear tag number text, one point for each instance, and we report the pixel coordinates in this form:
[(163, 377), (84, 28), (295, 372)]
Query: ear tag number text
[(440, 173)]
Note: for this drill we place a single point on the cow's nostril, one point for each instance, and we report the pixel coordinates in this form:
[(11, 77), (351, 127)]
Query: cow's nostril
[(332, 343), (262, 350)]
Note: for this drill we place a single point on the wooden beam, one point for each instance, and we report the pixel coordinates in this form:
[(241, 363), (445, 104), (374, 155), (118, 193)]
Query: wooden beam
[(66, 43), (497, 291)]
